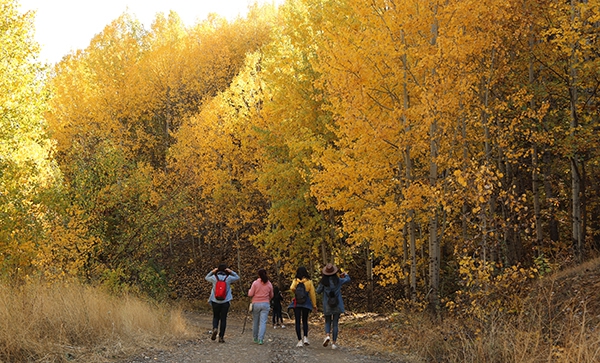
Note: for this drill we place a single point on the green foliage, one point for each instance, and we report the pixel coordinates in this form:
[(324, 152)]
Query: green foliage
[(28, 176)]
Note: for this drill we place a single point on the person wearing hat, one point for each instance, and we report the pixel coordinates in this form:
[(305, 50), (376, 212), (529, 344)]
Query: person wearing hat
[(333, 303)]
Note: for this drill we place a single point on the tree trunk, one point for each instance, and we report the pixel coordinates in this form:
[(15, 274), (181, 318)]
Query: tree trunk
[(413, 257), (409, 180), (434, 244), (369, 270), (577, 233), (535, 165), (549, 191)]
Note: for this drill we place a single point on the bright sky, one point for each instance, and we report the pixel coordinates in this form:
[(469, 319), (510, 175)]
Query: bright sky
[(66, 25)]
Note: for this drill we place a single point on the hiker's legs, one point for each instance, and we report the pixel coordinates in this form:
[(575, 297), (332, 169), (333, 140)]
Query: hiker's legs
[(277, 316), (216, 315), (223, 318), (255, 317), (328, 324), (298, 318), (334, 328), (274, 315), (264, 316), (305, 313)]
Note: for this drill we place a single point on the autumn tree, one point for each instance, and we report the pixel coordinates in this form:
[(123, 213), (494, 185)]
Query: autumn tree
[(410, 87), (28, 177), (566, 53), (291, 127), (116, 111)]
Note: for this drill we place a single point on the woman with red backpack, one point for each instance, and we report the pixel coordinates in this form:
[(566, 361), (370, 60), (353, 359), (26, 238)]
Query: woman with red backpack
[(220, 297)]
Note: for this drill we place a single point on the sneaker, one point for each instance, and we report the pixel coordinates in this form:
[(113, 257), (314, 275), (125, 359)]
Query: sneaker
[(282, 326), (274, 326), (221, 340), (334, 346), (260, 342), (326, 341), (306, 341), (255, 340), (300, 344), (214, 334)]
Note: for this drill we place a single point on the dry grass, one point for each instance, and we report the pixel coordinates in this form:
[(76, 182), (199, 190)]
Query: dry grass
[(560, 323), (71, 322), (505, 339)]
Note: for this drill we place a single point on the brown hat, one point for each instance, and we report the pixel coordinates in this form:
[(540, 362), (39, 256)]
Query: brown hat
[(330, 269)]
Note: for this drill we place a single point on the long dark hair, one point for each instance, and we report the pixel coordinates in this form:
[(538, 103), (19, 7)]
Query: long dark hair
[(262, 273), (326, 279), (302, 273)]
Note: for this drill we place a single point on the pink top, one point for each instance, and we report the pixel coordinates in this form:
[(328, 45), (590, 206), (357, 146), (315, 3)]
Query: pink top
[(261, 292)]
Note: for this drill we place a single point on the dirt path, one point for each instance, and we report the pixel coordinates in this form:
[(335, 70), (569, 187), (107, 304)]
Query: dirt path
[(279, 346)]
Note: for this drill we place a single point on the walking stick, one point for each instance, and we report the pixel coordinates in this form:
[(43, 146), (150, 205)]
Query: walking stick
[(246, 317)]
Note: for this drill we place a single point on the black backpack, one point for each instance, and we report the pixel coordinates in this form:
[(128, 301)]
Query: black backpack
[(301, 295), (332, 299)]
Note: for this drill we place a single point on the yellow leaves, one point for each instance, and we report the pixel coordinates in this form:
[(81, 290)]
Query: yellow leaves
[(489, 287), (27, 173), (460, 178)]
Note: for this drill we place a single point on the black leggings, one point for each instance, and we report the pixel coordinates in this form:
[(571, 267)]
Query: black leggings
[(277, 315), (301, 313), (220, 314)]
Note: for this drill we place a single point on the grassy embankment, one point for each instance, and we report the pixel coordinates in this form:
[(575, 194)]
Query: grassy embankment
[(71, 322), (559, 322)]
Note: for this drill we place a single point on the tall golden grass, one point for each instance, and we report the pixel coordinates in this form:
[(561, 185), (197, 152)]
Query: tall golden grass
[(522, 339), (504, 338), (558, 321), (72, 322)]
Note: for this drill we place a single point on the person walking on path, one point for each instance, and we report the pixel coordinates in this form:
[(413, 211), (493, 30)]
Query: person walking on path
[(277, 308), (303, 305), (261, 293), (333, 303), (220, 307)]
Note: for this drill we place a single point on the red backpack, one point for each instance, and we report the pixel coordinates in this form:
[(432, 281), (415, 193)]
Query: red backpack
[(220, 289)]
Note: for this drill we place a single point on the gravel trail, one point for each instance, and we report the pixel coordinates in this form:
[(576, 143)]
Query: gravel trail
[(279, 346)]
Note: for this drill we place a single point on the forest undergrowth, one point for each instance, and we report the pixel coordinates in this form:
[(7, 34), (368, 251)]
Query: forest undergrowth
[(559, 321)]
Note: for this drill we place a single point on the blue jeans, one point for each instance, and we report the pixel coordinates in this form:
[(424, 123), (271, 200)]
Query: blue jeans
[(329, 321), (260, 315)]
